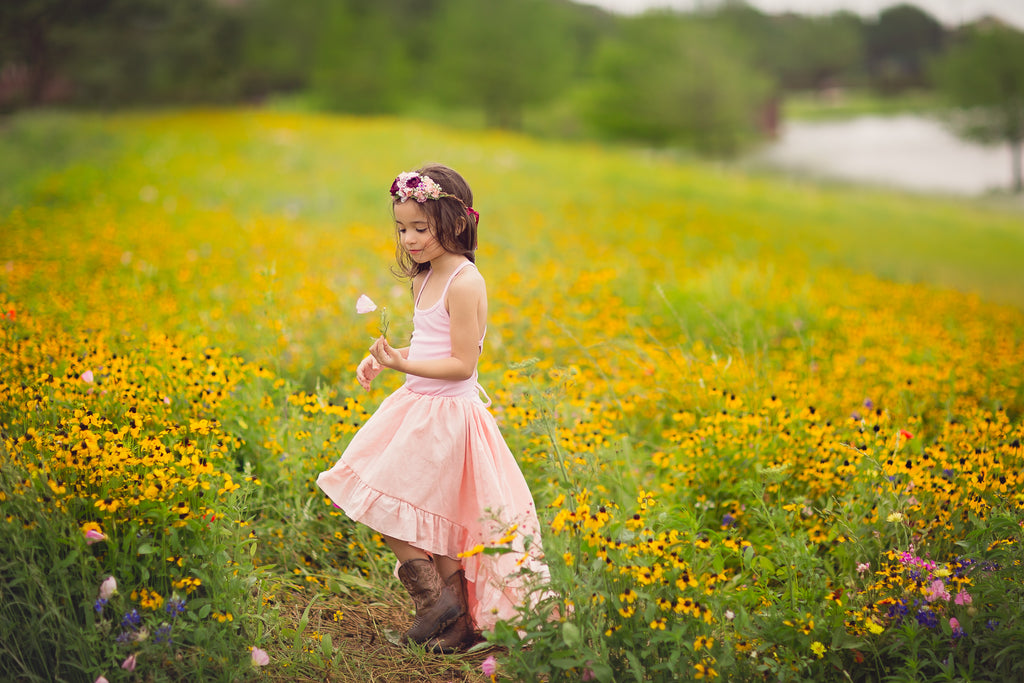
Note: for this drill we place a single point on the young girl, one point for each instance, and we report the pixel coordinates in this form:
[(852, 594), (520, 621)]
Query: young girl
[(430, 470)]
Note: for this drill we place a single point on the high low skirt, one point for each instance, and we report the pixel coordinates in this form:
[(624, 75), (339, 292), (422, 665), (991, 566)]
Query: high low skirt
[(435, 471)]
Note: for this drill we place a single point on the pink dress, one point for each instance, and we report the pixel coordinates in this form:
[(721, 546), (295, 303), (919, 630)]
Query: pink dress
[(430, 467)]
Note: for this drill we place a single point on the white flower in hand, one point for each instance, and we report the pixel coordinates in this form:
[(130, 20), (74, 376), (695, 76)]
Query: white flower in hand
[(364, 304)]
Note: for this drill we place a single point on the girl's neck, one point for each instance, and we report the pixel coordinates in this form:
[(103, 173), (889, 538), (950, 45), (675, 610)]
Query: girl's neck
[(446, 263)]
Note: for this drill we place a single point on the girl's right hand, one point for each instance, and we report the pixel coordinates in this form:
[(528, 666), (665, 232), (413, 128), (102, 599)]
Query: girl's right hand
[(367, 370)]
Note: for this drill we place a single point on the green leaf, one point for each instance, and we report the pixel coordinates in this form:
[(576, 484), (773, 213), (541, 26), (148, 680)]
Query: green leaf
[(571, 634)]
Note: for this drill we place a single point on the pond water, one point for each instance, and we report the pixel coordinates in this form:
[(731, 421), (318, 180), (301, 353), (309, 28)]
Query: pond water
[(910, 152)]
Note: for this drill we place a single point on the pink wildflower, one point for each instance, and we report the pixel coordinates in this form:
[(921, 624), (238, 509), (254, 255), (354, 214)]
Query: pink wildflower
[(259, 657), (108, 588), (963, 598), (129, 664), (92, 536), (101, 679), (489, 666), (87, 376), (936, 591), (863, 567)]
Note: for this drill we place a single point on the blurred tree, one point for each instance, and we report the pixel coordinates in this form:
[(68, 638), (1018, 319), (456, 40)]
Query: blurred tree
[(360, 63), (984, 75), (126, 51), (30, 38), (667, 80), (801, 52), (500, 55), (900, 45), (278, 45)]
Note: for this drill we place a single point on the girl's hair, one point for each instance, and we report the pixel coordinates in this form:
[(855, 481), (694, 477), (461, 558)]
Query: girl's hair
[(454, 227)]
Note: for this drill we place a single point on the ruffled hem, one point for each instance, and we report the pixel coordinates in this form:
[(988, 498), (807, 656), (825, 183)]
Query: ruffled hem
[(391, 516)]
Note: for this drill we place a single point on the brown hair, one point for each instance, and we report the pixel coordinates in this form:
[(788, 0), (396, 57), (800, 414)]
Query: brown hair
[(452, 225)]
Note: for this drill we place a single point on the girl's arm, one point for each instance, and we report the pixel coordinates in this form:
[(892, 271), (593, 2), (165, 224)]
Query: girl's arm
[(467, 304)]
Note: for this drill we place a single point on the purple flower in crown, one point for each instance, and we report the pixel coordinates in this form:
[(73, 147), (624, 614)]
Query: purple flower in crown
[(416, 186)]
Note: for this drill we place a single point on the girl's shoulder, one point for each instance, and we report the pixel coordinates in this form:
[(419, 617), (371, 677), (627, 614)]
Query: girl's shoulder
[(469, 281)]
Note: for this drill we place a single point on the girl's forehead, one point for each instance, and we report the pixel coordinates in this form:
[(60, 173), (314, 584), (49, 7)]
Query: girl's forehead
[(410, 211)]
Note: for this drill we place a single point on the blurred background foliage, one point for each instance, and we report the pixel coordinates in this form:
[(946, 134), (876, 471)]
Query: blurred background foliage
[(714, 81)]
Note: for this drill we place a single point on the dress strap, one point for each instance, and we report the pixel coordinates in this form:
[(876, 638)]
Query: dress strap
[(444, 294), (422, 287)]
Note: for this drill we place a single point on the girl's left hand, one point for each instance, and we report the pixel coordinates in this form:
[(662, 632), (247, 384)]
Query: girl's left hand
[(385, 354)]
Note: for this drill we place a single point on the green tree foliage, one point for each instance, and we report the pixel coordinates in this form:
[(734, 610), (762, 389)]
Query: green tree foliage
[(667, 80), (984, 76), (800, 52), (126, 51), (360, 64), (900, 45), (500, 55)]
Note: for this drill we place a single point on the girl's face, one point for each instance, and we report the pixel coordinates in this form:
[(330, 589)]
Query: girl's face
[(415, 233)]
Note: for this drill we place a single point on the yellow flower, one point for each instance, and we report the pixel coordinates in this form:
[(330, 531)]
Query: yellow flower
[(475, 550), (818, 649)]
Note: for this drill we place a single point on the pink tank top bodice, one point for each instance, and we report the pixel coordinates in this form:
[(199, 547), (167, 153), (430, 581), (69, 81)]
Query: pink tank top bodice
[(431, 339)]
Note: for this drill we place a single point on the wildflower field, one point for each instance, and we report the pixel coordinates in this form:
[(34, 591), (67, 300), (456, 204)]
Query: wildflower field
[(773, 429)]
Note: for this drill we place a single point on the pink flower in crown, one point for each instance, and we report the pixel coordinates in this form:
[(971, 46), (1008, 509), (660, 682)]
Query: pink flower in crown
[(415, 186)]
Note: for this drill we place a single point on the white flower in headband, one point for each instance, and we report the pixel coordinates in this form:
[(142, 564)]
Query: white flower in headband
[(416, 186)]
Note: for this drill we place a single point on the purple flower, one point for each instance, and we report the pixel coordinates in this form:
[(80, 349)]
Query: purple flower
[(175, 606), (927, 618), (98, 605), (728, 520), (414, 181), (132, 619), (163, 634), (955, 625)]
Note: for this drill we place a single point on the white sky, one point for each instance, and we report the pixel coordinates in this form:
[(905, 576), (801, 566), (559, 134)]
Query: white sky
[(949, 12)]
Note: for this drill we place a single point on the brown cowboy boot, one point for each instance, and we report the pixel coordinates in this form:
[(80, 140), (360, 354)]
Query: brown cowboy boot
[(460, 635), (436, 605)]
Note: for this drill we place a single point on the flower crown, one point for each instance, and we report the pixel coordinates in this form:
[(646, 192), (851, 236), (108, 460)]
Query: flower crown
[(421, 188), (416, 186)]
